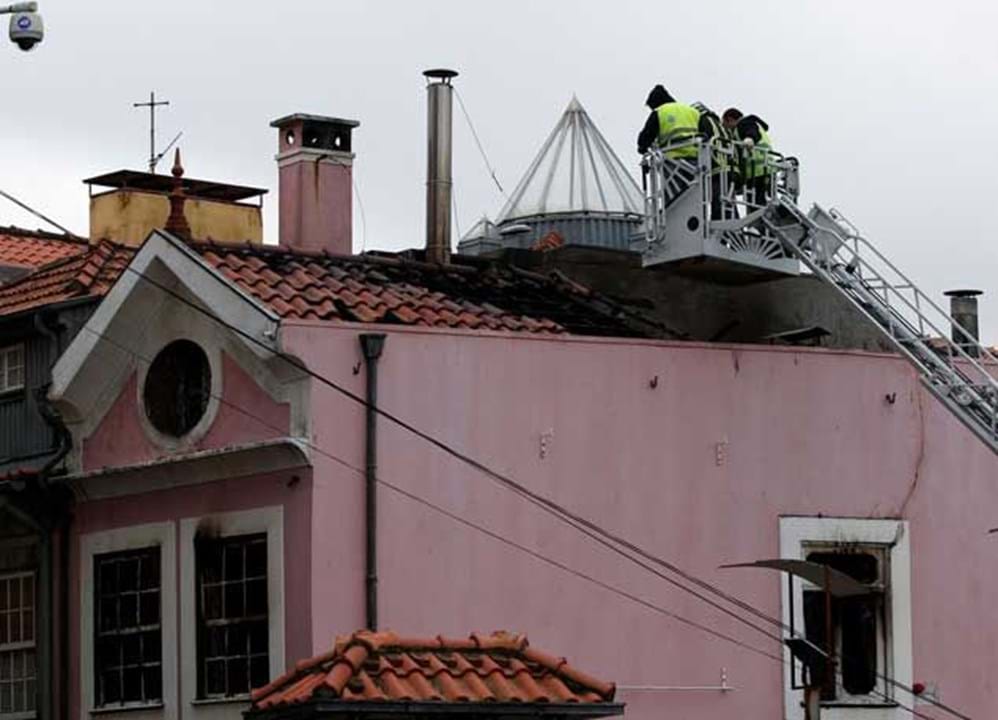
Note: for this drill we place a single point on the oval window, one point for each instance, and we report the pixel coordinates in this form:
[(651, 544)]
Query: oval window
[(177, 388)]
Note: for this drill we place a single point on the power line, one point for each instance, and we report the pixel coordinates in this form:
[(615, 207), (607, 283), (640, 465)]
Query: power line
[(518, 546), (478, 142), (37, 214), (554, 509)]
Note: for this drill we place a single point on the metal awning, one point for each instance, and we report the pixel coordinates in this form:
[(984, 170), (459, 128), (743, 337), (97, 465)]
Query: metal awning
[(163, 184)]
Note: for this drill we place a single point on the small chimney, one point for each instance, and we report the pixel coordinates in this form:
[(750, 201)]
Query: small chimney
[(963, 310), (438, 164), (315, 164)]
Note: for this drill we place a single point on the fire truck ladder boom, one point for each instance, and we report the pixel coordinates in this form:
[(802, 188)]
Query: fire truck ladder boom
[(954, 370)]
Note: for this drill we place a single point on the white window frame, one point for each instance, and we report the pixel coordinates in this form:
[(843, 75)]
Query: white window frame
[(6, 353), (131, 538), (269, 520), (22, 645), (796, 533)]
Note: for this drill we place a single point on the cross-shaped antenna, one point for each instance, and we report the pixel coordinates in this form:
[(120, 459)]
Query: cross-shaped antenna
[(152, 105)]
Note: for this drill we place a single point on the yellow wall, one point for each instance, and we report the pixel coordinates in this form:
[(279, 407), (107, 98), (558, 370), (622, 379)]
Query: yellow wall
[(128, 216)]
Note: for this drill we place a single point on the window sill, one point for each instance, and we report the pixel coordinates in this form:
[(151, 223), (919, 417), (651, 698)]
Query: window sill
[(126, 708), (235, 699), (860, 705)]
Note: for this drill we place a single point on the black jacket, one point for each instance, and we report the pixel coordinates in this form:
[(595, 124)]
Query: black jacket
[(750, 126), (649, 133)]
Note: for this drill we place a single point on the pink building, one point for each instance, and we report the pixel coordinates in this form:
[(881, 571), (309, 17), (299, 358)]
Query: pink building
[(222, 457)]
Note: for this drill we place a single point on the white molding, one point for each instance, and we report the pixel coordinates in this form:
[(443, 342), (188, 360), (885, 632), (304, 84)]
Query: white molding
[(131, 538), (266, 519), (195, 468), (89, 365), (894, 534)]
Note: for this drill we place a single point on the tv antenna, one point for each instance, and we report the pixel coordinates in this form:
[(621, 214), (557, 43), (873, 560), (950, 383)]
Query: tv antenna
[(155, 157)]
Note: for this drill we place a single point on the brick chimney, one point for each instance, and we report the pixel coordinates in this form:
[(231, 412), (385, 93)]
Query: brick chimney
[(315, 166)]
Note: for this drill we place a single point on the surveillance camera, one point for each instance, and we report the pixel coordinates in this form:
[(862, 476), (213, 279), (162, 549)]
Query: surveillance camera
[(26, 30)]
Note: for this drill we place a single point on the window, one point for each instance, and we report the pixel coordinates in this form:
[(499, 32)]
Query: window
[(871, 633), (233, 629), (17, 645), (127, 628), (11, 368), (177, 388), (859, 624)]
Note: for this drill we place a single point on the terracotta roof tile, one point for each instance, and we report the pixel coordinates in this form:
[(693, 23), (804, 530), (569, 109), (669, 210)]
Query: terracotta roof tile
[(380, 667), (87, 274), (32, 249), (377, 289)]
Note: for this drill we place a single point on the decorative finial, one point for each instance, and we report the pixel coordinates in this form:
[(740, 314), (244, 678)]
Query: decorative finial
[(178, 169), (176, 223)]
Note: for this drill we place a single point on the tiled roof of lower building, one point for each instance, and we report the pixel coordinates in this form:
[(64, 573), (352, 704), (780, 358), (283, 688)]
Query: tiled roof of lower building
[(391, 289), (90, 273), (383, 667), (34, 248)]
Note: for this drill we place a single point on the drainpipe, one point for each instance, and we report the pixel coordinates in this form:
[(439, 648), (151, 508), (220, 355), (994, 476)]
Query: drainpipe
[(60, 502), (371, 344)]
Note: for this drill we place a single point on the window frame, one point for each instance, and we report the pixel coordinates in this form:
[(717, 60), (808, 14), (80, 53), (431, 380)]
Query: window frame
[(802, 535), (269, 519), (205, 625), (118, 556), (21, 645), (6, 351), (135, 537)]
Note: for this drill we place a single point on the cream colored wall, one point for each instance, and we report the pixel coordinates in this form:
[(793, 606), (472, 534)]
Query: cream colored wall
[(128, 216)]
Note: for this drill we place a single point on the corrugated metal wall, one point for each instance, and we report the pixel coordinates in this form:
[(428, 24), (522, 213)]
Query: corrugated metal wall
[(607, 231), (24, 434)]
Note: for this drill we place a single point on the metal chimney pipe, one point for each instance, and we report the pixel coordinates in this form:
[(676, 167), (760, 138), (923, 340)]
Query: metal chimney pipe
[(963, 310), (438, 164)]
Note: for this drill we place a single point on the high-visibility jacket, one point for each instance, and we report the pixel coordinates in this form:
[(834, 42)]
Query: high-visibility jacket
[(718, 137), (677, 121), (755, 161)]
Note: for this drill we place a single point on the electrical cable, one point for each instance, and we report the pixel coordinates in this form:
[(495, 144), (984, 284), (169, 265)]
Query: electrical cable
[(37, 214), (557, 511), (481, 149), (505, 540)]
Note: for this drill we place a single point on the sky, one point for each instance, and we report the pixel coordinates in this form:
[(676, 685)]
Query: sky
[(889, 106)]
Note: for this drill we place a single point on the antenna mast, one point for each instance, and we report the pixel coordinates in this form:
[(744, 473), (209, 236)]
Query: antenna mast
[(152, 105)]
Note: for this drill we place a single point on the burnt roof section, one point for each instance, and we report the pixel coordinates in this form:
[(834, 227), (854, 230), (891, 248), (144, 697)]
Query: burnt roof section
[(163, 184), (397, 290)]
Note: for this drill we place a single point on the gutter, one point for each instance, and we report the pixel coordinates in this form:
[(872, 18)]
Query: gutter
[(371, 345)]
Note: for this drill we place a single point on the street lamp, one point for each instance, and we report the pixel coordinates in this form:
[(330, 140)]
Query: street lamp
[(26, 26)]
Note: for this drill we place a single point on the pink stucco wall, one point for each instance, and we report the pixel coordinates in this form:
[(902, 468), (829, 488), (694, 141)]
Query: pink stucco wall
[(692, 451), (120, 438), (290, 490)]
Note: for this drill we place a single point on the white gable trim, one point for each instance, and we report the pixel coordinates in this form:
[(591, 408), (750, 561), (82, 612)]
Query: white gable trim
[(168, 262)]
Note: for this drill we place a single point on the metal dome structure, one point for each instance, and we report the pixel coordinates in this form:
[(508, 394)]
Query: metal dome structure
[(576, 186)]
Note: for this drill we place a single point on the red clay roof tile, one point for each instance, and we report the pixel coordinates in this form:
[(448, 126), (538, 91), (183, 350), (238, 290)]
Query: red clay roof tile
[(32, 249), (380, 667), (87, 274)]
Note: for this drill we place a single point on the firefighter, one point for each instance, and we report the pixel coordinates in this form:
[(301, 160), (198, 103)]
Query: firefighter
[(669, 121), (713, 130), (753, 132)]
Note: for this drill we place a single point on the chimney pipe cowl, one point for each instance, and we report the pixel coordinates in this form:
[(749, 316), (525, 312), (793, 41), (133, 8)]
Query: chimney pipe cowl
[(439, 154), (964, 311)]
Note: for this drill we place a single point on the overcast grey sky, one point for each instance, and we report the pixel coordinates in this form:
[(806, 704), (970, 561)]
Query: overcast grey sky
[(889, 105)]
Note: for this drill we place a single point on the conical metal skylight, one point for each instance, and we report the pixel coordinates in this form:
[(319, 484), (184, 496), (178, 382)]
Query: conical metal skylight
[(575, 171)]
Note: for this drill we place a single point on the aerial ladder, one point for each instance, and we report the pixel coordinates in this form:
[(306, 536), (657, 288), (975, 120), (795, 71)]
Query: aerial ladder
[(696, 210)]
